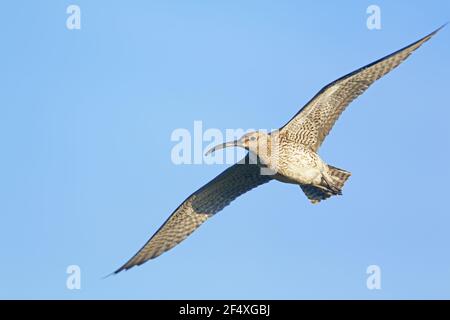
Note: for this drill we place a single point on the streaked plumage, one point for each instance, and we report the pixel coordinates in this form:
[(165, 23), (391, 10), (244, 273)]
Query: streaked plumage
[(294, 160), (198, 207)]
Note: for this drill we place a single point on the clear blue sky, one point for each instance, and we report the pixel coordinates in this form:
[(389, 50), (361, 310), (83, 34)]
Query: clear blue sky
[(86, 175)]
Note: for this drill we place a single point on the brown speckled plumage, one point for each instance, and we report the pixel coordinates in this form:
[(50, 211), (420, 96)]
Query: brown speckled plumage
[(198, 207), (291, 156)]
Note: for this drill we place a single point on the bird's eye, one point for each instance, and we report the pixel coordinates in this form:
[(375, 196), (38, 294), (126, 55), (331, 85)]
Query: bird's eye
[(252, 138)]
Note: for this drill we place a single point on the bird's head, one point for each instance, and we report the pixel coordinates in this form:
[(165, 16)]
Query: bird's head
[(250, 141)]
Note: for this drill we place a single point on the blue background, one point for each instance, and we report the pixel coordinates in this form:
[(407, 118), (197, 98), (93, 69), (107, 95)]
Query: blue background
[(85, 169)]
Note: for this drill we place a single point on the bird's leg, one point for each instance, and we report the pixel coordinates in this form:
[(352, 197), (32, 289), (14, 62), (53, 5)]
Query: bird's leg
[(329, 186)]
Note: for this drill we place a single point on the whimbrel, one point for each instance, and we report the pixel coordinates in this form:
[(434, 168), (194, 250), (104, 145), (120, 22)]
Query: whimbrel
[(289, 153)]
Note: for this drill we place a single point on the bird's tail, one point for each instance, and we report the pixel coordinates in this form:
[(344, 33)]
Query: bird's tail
[(339, 176), (330, 188)]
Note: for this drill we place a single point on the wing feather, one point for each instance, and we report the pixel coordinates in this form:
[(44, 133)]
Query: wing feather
[(198, 207), (314, 121)]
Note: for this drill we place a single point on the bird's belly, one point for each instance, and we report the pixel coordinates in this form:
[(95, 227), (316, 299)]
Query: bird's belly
[(300, 176), (301, 167)]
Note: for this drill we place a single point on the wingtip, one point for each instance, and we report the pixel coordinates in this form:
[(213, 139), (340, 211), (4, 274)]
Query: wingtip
[(438, 29), (109, 275), (115, 272), (428, 36)]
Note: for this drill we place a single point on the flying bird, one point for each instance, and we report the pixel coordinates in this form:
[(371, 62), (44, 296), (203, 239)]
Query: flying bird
[(288, 155)]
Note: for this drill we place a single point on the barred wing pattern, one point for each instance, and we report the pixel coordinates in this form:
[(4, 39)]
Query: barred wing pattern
[(314, 121), (197, 208)]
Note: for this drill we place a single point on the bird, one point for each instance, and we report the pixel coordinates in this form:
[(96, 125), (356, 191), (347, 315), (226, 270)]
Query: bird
[(287, 155)]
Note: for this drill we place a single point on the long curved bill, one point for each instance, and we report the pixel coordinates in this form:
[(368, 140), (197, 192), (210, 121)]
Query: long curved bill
[(222, 146)]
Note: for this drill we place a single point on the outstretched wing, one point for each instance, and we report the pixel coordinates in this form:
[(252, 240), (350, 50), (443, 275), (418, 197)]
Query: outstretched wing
[(198, 207), (314, 121)]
